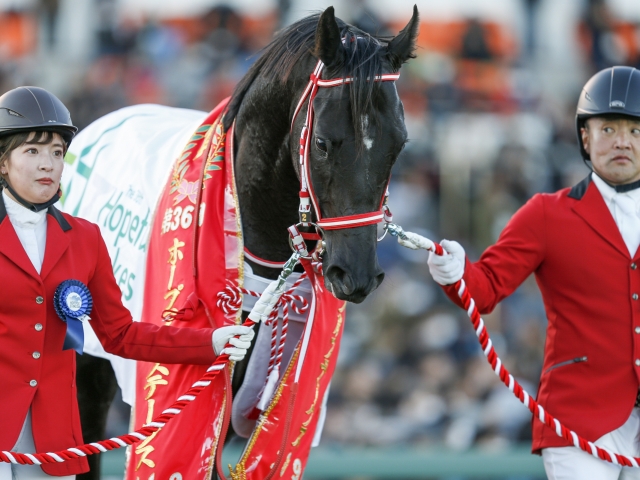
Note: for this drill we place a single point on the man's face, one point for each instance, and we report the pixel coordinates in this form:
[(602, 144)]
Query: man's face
[(613, 144)]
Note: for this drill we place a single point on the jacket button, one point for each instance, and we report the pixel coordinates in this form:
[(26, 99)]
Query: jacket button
[(33, 383), (637, 329), (633, 266), (634, 296), (36, 355), (39, 299), (38, 327)]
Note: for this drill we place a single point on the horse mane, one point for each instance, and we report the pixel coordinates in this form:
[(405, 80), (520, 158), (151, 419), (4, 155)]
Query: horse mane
[(278, 59)]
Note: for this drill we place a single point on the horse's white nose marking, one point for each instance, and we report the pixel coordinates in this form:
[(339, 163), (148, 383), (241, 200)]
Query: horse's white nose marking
[(368, 141)]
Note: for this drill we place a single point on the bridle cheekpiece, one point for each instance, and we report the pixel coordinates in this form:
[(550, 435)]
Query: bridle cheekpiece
[(307, 195)]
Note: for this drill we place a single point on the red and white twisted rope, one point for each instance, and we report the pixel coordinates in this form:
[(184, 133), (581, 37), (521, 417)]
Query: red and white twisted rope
[(230, 301), (513, 385), (287, 299), (130, 438)]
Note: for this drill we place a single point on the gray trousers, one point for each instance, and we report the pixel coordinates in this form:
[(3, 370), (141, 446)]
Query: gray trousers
[(26, 472)]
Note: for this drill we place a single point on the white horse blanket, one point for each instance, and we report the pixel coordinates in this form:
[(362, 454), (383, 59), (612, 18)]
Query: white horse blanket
[(114, 174)]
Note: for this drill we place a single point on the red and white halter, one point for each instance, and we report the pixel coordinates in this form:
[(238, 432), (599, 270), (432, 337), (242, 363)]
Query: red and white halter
[(307, 194)]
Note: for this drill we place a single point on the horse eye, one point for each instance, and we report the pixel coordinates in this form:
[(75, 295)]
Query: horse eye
[(321, 145)]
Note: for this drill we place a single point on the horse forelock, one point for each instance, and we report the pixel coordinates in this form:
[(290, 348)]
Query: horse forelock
[(364, 59)]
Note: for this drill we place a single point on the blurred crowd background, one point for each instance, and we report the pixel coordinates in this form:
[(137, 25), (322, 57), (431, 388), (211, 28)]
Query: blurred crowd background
[(489, 105)]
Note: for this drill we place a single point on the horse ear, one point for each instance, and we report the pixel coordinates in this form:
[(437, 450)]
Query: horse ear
[(401, 48), (328, 46)]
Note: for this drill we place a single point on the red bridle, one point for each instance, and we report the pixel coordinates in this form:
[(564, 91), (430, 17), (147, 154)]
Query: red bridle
[(307, 195)]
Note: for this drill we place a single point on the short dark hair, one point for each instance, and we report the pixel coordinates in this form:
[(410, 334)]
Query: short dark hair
[(9, 143)]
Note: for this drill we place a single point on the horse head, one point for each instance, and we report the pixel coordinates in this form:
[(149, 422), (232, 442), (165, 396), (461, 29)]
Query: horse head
[(354, 135), (357, 135)]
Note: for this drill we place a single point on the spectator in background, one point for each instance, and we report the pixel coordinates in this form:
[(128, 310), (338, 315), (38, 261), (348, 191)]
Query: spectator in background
[(599, 23), (284, 6), (223, 38), (531, 12), (112, 38), (474, 42), (49, 14), (100, 92), (366, 19), (481, 79)]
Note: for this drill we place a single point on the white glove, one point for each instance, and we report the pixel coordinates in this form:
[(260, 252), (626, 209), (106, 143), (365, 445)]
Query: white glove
[(447, 269), (415, 241), (267, 302), (224, 335)]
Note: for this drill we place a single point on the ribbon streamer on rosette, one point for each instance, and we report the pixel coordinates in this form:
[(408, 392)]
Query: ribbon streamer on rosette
[(73, 304)]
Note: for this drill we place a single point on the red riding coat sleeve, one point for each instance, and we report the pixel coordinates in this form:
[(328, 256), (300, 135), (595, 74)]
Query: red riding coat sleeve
[(121, 336), (590, 287), (506, 264)]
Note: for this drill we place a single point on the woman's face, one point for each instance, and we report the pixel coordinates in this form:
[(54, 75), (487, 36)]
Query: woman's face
[(34, 170)]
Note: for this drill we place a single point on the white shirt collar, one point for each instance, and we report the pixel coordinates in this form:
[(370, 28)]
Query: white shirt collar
[(608, 192), (21, 216)]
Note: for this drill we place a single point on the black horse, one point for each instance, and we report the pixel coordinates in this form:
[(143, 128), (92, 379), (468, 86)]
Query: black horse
[(357, 135)]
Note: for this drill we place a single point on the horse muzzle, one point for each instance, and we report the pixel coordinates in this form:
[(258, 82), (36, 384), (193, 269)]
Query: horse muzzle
[(350, 263)]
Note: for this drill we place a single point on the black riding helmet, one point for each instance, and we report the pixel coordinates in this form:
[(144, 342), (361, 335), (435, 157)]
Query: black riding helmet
[(612, 91), (32, 109), (27, 109)]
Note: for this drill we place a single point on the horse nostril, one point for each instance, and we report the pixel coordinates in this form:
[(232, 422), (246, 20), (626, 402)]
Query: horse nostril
[(341, 279), (379, 279), (347, 285)]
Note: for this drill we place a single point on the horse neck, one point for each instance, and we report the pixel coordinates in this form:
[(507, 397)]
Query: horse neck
[(267, 183)]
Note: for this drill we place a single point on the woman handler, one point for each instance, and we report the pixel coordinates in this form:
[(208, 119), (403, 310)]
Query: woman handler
[(42, 249)]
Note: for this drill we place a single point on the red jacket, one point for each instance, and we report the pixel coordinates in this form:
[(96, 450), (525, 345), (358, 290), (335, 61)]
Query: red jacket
[(34, 370), (590, 287)]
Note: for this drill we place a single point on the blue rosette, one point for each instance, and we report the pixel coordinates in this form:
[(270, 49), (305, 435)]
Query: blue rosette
[(72, 302)]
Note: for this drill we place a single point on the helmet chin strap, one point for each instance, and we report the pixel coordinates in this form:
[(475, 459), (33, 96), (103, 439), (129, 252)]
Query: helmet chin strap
[(625, 187), (34, 207)]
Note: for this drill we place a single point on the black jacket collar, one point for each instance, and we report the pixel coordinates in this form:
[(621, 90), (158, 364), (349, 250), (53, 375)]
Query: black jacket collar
[(580, 189)]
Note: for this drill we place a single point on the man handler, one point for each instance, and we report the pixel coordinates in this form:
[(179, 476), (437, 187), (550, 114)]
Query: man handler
[(582, 245)]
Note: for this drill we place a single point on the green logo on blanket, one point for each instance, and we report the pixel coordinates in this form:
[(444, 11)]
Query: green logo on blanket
[(118, 216)]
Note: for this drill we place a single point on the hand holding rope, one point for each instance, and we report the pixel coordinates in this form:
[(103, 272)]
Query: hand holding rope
[(415, 242)]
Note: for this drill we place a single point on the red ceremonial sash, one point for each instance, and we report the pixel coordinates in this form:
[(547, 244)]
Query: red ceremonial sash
[(195, 250), (281, 441)]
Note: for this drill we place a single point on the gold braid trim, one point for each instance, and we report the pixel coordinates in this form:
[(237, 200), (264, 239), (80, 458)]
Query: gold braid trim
[(212, 452), (324, 366), (240, 467), (239, 473)]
